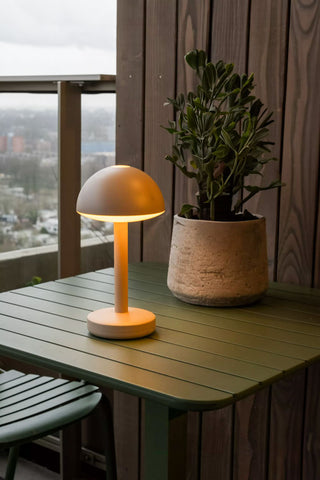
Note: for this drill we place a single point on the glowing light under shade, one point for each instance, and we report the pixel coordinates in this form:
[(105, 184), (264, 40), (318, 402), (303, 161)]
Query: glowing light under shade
[(121, 218)]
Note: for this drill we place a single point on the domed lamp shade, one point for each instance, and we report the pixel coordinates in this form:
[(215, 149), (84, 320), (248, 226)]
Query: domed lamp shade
[(120, 194)]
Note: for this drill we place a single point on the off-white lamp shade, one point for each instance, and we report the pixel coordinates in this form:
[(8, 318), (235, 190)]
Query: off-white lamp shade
[(120, 194)]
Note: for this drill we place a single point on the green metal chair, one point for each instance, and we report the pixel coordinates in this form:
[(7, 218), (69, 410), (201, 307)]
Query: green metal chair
[(32, 406)]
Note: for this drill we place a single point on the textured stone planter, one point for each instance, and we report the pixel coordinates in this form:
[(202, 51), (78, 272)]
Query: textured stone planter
[(218, 263)]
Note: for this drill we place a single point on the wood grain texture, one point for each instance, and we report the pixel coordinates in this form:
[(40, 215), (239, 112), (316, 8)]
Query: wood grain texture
[(230, 32), (300, 166), (193, 446), (126, 431), (217, 438), (70, 449), (267, 60), (130, 97), (250, 437), (192, 357), (193, 33), (160, 84), (177, 460), (316, 276), (311, 445), (129, 150), (286, 428), (69, 125)]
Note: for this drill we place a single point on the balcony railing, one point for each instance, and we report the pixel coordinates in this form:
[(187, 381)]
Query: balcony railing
[(69, 89)]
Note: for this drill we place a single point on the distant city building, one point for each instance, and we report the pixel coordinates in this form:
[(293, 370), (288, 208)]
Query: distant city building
[(43, 146), (12, 143), (52, 226), (3, 143), (9, 218), (29, 139), (17, 144)]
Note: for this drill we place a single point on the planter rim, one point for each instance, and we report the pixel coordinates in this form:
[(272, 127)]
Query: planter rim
[(259, 218)]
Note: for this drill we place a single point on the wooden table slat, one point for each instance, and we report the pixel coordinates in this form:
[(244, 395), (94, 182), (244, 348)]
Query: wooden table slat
[(163, 336), (197, 359), (176, 393), (59, 303), (286, 309), (206, 359), (129, 357), (93, 300), (215, 355), (71, 296)]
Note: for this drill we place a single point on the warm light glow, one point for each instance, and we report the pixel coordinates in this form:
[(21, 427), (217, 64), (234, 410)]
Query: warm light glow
[(120, 218)]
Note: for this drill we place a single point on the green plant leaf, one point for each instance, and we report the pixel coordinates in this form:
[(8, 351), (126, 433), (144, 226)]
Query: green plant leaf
[(220, 132), (34, 281), (256, 188), (221, 152), (226, 138), (187, 210), (196, 59), (191, 118), (256, 107)]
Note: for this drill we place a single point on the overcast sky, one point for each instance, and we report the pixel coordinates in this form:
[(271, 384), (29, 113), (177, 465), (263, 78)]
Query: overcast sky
[(43, 37)]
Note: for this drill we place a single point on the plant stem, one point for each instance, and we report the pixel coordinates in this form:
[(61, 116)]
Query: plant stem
[(212, 212)]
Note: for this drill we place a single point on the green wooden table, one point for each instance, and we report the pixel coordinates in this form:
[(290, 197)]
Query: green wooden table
[(197, 359)]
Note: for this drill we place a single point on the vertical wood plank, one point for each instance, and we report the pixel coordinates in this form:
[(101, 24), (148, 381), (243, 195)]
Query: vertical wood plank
[(193, 32), (130, 97), (267, 59), (160, 84), (69, 113), (177, 460), (193, 446), (230, 32), (250, 437), (311, 444), (286, 428), (126, 413), (316, 276), (216, 451), (129, 150), (70, 448), (300, 168)]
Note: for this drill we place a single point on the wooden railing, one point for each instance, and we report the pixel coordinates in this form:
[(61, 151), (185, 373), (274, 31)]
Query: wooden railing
[(69, 89)]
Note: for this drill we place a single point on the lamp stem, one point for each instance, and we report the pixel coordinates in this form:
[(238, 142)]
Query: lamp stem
[(121, 267)]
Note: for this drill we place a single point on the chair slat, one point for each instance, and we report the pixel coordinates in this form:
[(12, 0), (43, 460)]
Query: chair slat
[(36, 396), (7, 398), (48, 422), (32, 407), (10, 375), (48, 406), (24, 386), (17, 382)]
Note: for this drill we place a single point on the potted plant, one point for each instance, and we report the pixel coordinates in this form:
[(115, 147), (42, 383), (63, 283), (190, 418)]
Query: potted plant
[(218, 252)]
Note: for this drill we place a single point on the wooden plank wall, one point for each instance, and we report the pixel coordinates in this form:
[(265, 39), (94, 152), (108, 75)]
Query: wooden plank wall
[(278, 40), (275, 433)]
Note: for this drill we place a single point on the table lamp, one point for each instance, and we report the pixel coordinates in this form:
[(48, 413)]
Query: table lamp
[(120, 194)]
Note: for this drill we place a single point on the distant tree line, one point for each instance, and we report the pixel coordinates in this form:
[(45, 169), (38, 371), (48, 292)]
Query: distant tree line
[(29, 173)]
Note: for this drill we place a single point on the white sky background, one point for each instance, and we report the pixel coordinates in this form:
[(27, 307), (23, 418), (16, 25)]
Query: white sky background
[(45, 37)]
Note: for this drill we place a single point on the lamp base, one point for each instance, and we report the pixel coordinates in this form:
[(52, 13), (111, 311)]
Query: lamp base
[(107, 323)]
